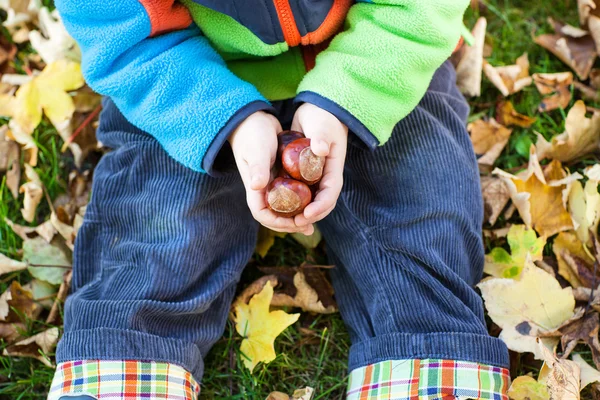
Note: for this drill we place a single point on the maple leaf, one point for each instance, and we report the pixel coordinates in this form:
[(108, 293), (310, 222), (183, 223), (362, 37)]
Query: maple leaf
[(527, 388), (538, 196), (526, 307), (53, 43), (46, 93), (557, 86), (522, 241), (509, 79), (488, 138), (581, 136), (259, 327)]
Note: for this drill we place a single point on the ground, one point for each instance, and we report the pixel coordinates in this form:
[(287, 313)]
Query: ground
[(312, 352)]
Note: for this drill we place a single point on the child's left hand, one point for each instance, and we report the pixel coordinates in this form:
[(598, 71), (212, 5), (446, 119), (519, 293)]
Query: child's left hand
[(329, 137)]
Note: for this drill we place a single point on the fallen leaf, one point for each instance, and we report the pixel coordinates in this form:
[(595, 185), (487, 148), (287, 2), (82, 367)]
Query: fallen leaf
[(578, 53), (583, 330), (303, 394), (509, 79), (539, 195), (266, 240), (309, 242), (26, 141), (584, 206), (469, 68), (306, 297), (46, 93), (47, 261), (53, 43), (489, 139), (507, 116), (557, 85), (17, 304), (277, 396), (34, 192), (11, 331), (526, 307), (527, 388), (522, 241), (581, 136), (588, 373), (9, 265), (495, 197), (567, 243), (45, 230), (36, 346), (259, 327), (42, 292), (564, 377)]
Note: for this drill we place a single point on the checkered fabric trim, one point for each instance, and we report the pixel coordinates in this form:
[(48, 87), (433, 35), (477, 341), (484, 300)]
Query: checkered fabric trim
[(428, 379), (123, 380)]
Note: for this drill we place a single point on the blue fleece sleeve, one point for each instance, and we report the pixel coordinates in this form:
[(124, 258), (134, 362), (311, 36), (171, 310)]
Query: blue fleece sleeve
[(173, 86)]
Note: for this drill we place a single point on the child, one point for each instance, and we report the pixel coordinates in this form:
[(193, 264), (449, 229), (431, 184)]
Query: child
[(194, 90)]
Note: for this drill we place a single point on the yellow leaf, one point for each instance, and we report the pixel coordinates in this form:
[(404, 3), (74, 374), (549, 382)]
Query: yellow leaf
[(527, 388), (266, 240), (259, 326), (584, 206), (47, 93), (535, 303), (488, 138), (540, 197), (507, 115), (567, 242), (581, 136)]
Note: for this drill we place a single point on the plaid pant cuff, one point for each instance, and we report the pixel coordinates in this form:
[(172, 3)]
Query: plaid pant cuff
[(428, 379), (126, 379)]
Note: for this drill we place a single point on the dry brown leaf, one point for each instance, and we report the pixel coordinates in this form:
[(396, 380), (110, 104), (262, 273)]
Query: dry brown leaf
[(36, 346), (17, 304), (469, 69), (556, 84), (587, 93), (581, 136), (578, 53), (540, 196), (509, 79), (583, 330), (568, 243), (489, 139), (584, 9), (303, 394), (507, 115), (563, 378), (9, 265), (306, 297), (34, 192), (277, 396), (45, 230), (10, 331), (495, 197)]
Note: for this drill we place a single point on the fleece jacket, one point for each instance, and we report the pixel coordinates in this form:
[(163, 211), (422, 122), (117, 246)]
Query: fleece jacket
[(190, 72)]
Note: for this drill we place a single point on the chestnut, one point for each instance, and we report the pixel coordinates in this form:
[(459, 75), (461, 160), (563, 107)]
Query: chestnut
[(287, 197), (301, 163), (286, 137)]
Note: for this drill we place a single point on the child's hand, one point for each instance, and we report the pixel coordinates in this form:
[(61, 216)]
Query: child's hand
[(254, 145), (329, 137)]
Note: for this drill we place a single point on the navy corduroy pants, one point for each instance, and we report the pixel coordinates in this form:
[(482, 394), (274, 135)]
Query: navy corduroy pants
[(161, 250)]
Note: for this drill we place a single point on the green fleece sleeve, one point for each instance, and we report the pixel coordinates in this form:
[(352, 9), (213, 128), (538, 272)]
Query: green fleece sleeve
[(376, 71)]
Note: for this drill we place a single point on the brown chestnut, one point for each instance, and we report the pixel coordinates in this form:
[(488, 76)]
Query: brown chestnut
[(301, 163), (287, 197), (286, 137)]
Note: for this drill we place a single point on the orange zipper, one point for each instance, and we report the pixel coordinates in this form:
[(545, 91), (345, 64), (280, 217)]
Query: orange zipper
[(288, 23)]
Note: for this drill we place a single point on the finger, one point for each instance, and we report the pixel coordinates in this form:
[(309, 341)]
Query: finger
[(259, 160), (260, 212), (302, 220)]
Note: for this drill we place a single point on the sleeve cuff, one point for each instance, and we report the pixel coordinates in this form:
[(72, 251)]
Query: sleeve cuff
[(214, 159), (353, 124)]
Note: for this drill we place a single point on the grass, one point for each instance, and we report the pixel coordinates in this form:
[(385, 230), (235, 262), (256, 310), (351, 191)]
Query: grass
[(313, 352)]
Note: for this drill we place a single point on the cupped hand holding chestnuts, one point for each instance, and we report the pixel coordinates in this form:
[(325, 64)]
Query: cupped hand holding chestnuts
[(299, 172)]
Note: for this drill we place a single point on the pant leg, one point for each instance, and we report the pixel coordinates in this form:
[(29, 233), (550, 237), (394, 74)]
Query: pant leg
[(405, 236), (158, 257)]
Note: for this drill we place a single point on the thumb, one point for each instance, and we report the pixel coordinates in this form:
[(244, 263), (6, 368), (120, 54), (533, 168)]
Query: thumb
[(259, 172)]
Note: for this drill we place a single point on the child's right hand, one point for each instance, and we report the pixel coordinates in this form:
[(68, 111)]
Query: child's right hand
[(254, 145)]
